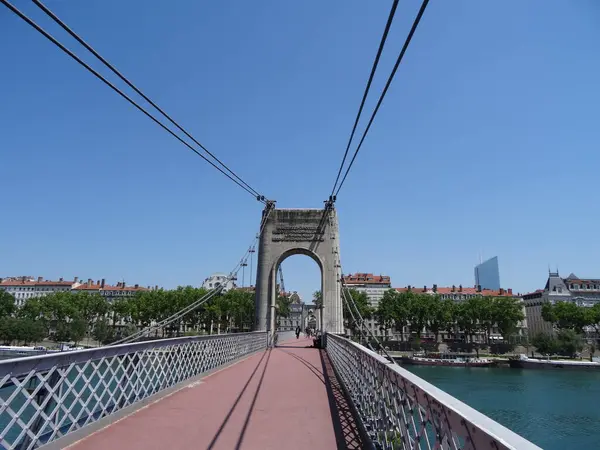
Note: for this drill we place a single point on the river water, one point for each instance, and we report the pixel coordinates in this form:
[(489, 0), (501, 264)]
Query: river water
[(556, 410)]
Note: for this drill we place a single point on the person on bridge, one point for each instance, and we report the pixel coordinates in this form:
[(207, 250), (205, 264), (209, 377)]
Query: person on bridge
[(298, 332)]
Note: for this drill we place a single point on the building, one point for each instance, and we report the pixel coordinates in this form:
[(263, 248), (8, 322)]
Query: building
[(460, 294), (218, 279), (372, 285), (110, 293), (487, 274), (27, 287), (295, 317), (581, 291)]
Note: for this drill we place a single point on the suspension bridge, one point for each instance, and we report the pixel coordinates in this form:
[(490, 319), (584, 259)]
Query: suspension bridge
[(256, 390)]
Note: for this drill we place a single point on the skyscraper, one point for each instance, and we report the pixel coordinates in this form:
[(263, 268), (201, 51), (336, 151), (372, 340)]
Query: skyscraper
[(487, 274)]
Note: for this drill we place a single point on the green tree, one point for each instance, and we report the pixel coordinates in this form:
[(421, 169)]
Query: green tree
[(8, 330), (7, 304), (103, 332), (507, 312), (441, 315), (569, 342), (384, 314), (467, 315), (318, 299), (420, 309), (360, 302), (545, 343), (566, 315), (29, 331)]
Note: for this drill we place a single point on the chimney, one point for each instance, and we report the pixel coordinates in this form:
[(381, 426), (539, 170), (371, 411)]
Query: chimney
[(61, 279), (76, 280), (510, 292), (453, 288), (89, 281), (137, 286), (1, 280), (98, 282), (409, 287), (425, 288), (478, 288), (103, 283), (501, 291), (23, 279), (460, 288), (40, 279), (435, 288), (156, 287)]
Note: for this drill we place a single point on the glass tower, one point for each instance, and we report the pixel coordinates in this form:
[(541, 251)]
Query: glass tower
[(487, 274)]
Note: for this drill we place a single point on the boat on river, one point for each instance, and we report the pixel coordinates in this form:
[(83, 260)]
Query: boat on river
[(523, 362), (447, 361)]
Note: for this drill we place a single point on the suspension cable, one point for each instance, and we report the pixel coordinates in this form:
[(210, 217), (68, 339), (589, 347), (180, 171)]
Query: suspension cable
[(193, 306), (52, 39), (367, 88), (387, 85), (132, 86), (379, 344)]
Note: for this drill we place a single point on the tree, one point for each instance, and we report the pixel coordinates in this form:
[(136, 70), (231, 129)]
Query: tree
[(569, 342), (29, 331), (441, 315), (384, 314), (507, 313), (467, 316), (565, 315), (360, 302), (545, 343), (486, 316), (103, 332), (318, 299), (7, 304), (401, 311), (420, 308)]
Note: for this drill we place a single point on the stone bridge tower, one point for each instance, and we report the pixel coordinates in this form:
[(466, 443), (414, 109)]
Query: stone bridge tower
[(287, 232)]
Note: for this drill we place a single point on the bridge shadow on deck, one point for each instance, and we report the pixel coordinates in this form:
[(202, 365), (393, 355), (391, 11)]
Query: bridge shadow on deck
[(288, 397)]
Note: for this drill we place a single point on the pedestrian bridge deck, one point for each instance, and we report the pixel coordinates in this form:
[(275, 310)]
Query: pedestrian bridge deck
[(287, 397)]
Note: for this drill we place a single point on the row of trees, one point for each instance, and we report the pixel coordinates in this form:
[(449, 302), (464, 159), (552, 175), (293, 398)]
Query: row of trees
[(419, 312), (71, 316)]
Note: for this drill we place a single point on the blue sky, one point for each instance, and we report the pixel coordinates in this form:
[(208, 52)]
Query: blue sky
[(486, 143)]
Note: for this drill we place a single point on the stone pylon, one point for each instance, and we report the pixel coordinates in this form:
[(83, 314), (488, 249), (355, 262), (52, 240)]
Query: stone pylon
[(311, 232)]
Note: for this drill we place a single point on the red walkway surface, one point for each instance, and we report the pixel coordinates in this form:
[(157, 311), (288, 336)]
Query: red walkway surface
[(285, 398)]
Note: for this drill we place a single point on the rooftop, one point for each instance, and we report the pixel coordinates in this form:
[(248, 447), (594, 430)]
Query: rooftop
[(366, 278), (457, 290)]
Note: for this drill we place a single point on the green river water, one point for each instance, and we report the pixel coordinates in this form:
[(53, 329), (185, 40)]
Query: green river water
[(556, 410)]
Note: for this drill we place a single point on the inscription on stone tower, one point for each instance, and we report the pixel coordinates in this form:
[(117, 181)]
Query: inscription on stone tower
[(297, 233)]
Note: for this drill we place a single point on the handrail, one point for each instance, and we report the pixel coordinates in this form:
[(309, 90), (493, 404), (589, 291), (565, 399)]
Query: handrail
[(17, 366), (400, 410), (48, 397)]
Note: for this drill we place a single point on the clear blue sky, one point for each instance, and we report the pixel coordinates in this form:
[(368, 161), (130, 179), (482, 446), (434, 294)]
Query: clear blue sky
[(487, 141)]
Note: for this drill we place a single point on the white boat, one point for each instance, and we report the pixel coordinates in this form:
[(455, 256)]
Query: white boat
[(523, 362)]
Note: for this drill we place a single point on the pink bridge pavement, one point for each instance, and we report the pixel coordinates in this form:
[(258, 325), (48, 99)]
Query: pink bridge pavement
[(285, 398)]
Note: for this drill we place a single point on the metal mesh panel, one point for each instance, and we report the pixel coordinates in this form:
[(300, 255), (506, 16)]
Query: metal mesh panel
[(402, 411), (43, 398)]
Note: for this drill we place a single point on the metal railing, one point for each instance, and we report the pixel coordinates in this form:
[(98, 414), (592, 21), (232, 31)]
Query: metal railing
[(44, 398), (399, 410)]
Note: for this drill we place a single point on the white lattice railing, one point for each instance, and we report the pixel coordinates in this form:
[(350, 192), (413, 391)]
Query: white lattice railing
[(399, 410), (43, 398)]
